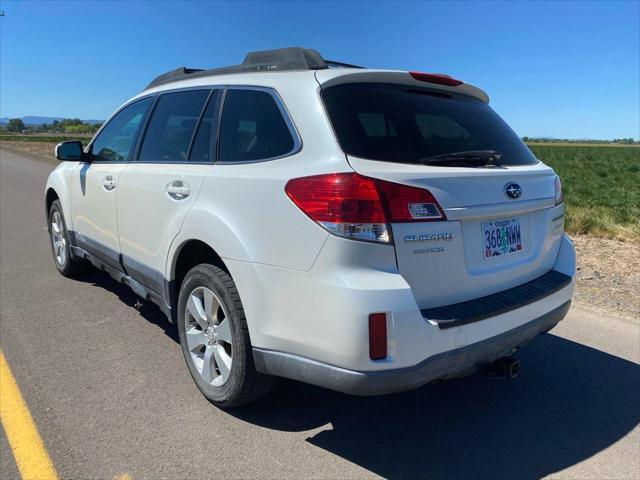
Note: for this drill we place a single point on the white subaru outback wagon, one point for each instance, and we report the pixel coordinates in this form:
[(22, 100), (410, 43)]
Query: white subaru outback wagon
[(367, 231)]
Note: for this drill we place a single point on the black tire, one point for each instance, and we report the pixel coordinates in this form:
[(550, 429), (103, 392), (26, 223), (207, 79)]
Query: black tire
[(70, 266), (244, 383)]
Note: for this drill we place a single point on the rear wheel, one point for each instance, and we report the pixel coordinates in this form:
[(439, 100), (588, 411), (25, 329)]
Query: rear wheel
[(66, 264), (215, 339)]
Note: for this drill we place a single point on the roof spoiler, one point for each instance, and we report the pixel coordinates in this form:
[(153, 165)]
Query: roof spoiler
[(281, 59)]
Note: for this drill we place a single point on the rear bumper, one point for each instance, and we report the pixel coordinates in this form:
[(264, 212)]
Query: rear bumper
[(448, 364)]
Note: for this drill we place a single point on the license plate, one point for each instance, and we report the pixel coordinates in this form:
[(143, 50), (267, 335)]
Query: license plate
[(501, 237)]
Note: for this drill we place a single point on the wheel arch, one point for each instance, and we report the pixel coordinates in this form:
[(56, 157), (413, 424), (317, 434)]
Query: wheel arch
[(188, 254), (57, 188), (50, 196)]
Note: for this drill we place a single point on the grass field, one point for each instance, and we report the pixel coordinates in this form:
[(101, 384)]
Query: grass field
[(601, 183), (601, 188)]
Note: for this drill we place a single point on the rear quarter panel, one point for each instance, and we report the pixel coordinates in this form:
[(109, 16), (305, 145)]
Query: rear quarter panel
[(242, 210)]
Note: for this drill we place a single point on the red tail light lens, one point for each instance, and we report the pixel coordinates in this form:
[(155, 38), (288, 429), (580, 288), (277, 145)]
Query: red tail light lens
[(346, 204), (378, 336), (337, 197), (438, 78), (353, 206), (409, 204)]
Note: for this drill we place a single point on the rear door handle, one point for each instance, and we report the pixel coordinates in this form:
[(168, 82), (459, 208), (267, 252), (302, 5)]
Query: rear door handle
[(178, 190), (108, 183)]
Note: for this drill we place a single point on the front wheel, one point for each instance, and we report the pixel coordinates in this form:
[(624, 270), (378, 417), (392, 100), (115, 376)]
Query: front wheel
[(66, 264), (215, 339)]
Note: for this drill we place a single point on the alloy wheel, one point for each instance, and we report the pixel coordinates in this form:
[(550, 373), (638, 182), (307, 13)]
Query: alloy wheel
[(58, 239), (208, 336)]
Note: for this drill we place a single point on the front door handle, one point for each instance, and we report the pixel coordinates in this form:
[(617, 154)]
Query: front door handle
[(178, 190), (108, 183)]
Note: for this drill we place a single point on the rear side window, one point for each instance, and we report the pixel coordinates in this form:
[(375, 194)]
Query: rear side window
[(171, 126), (396, 123), (115, 140), (252, 128)]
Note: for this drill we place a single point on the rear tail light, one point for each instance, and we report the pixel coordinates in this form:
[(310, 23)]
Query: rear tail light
[(559, 194), (439, 78), (378, 336), (408, 204), (353, 206)]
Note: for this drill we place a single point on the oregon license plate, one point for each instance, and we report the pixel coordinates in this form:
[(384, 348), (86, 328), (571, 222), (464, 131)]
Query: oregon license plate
[(501, 237)]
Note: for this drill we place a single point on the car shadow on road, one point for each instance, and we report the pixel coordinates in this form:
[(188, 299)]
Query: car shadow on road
[(570, 402), (148, 310)]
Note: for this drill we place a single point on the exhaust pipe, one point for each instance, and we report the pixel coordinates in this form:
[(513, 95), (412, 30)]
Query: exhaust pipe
[(503, 367)]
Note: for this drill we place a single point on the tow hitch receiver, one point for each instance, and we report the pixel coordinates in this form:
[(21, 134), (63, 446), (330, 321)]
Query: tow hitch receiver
[(503, 367)]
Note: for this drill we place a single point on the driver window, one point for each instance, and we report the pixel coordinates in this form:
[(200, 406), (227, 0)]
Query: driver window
[(115, 141)]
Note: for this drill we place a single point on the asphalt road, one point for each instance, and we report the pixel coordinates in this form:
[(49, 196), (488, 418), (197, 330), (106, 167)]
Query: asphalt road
[(109, 392)]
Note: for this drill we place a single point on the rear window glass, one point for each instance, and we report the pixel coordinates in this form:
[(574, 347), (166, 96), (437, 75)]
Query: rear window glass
[(171, 127), (252, 128), (396, 123)]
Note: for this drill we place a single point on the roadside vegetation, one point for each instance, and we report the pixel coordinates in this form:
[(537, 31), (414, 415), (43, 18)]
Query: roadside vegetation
[(601, 188)]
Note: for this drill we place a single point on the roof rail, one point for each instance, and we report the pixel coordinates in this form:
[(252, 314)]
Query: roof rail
[(281, 59)]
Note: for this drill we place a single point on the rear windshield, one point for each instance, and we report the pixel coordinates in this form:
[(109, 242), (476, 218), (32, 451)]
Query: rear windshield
[(396, 123)]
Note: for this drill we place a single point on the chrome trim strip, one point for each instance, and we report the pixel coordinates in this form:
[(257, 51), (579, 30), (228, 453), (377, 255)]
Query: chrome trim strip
[(499, 209)]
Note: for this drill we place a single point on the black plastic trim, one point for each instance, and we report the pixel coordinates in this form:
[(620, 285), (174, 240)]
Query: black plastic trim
[(499, 303)]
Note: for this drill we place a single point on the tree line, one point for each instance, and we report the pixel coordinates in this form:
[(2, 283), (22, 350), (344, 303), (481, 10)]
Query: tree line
[(67, 125)]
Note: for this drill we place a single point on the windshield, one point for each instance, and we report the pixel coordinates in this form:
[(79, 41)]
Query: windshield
[(397, 123)]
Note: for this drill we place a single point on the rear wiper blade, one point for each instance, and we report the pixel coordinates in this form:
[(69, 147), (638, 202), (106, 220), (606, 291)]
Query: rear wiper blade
[(471, 157)]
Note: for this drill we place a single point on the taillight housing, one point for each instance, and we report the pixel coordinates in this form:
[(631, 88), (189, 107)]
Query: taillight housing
[(361, 208), (558, 187)]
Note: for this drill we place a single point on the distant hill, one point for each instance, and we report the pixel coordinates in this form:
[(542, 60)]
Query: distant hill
[(35, 120)]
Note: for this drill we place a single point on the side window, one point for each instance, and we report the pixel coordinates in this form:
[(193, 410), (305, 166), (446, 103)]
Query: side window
[(252, 127), (205, 139), (116, 139), (171, 126)]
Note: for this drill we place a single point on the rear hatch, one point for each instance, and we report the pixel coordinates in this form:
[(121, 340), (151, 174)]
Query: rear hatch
[(501, 226)]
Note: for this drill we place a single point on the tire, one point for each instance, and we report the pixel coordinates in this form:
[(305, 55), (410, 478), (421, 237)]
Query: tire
[(63, 258), (215, 339)]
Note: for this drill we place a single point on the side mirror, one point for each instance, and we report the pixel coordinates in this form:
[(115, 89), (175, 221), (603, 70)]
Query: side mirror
[(70, 151)]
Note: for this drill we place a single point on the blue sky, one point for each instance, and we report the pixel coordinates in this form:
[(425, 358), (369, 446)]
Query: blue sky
[(562, 69)]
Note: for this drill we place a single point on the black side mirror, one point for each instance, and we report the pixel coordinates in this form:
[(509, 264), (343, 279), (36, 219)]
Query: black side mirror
[(70, 151)]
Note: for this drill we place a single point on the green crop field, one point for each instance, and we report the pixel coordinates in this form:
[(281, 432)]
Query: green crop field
[(601, 188)]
